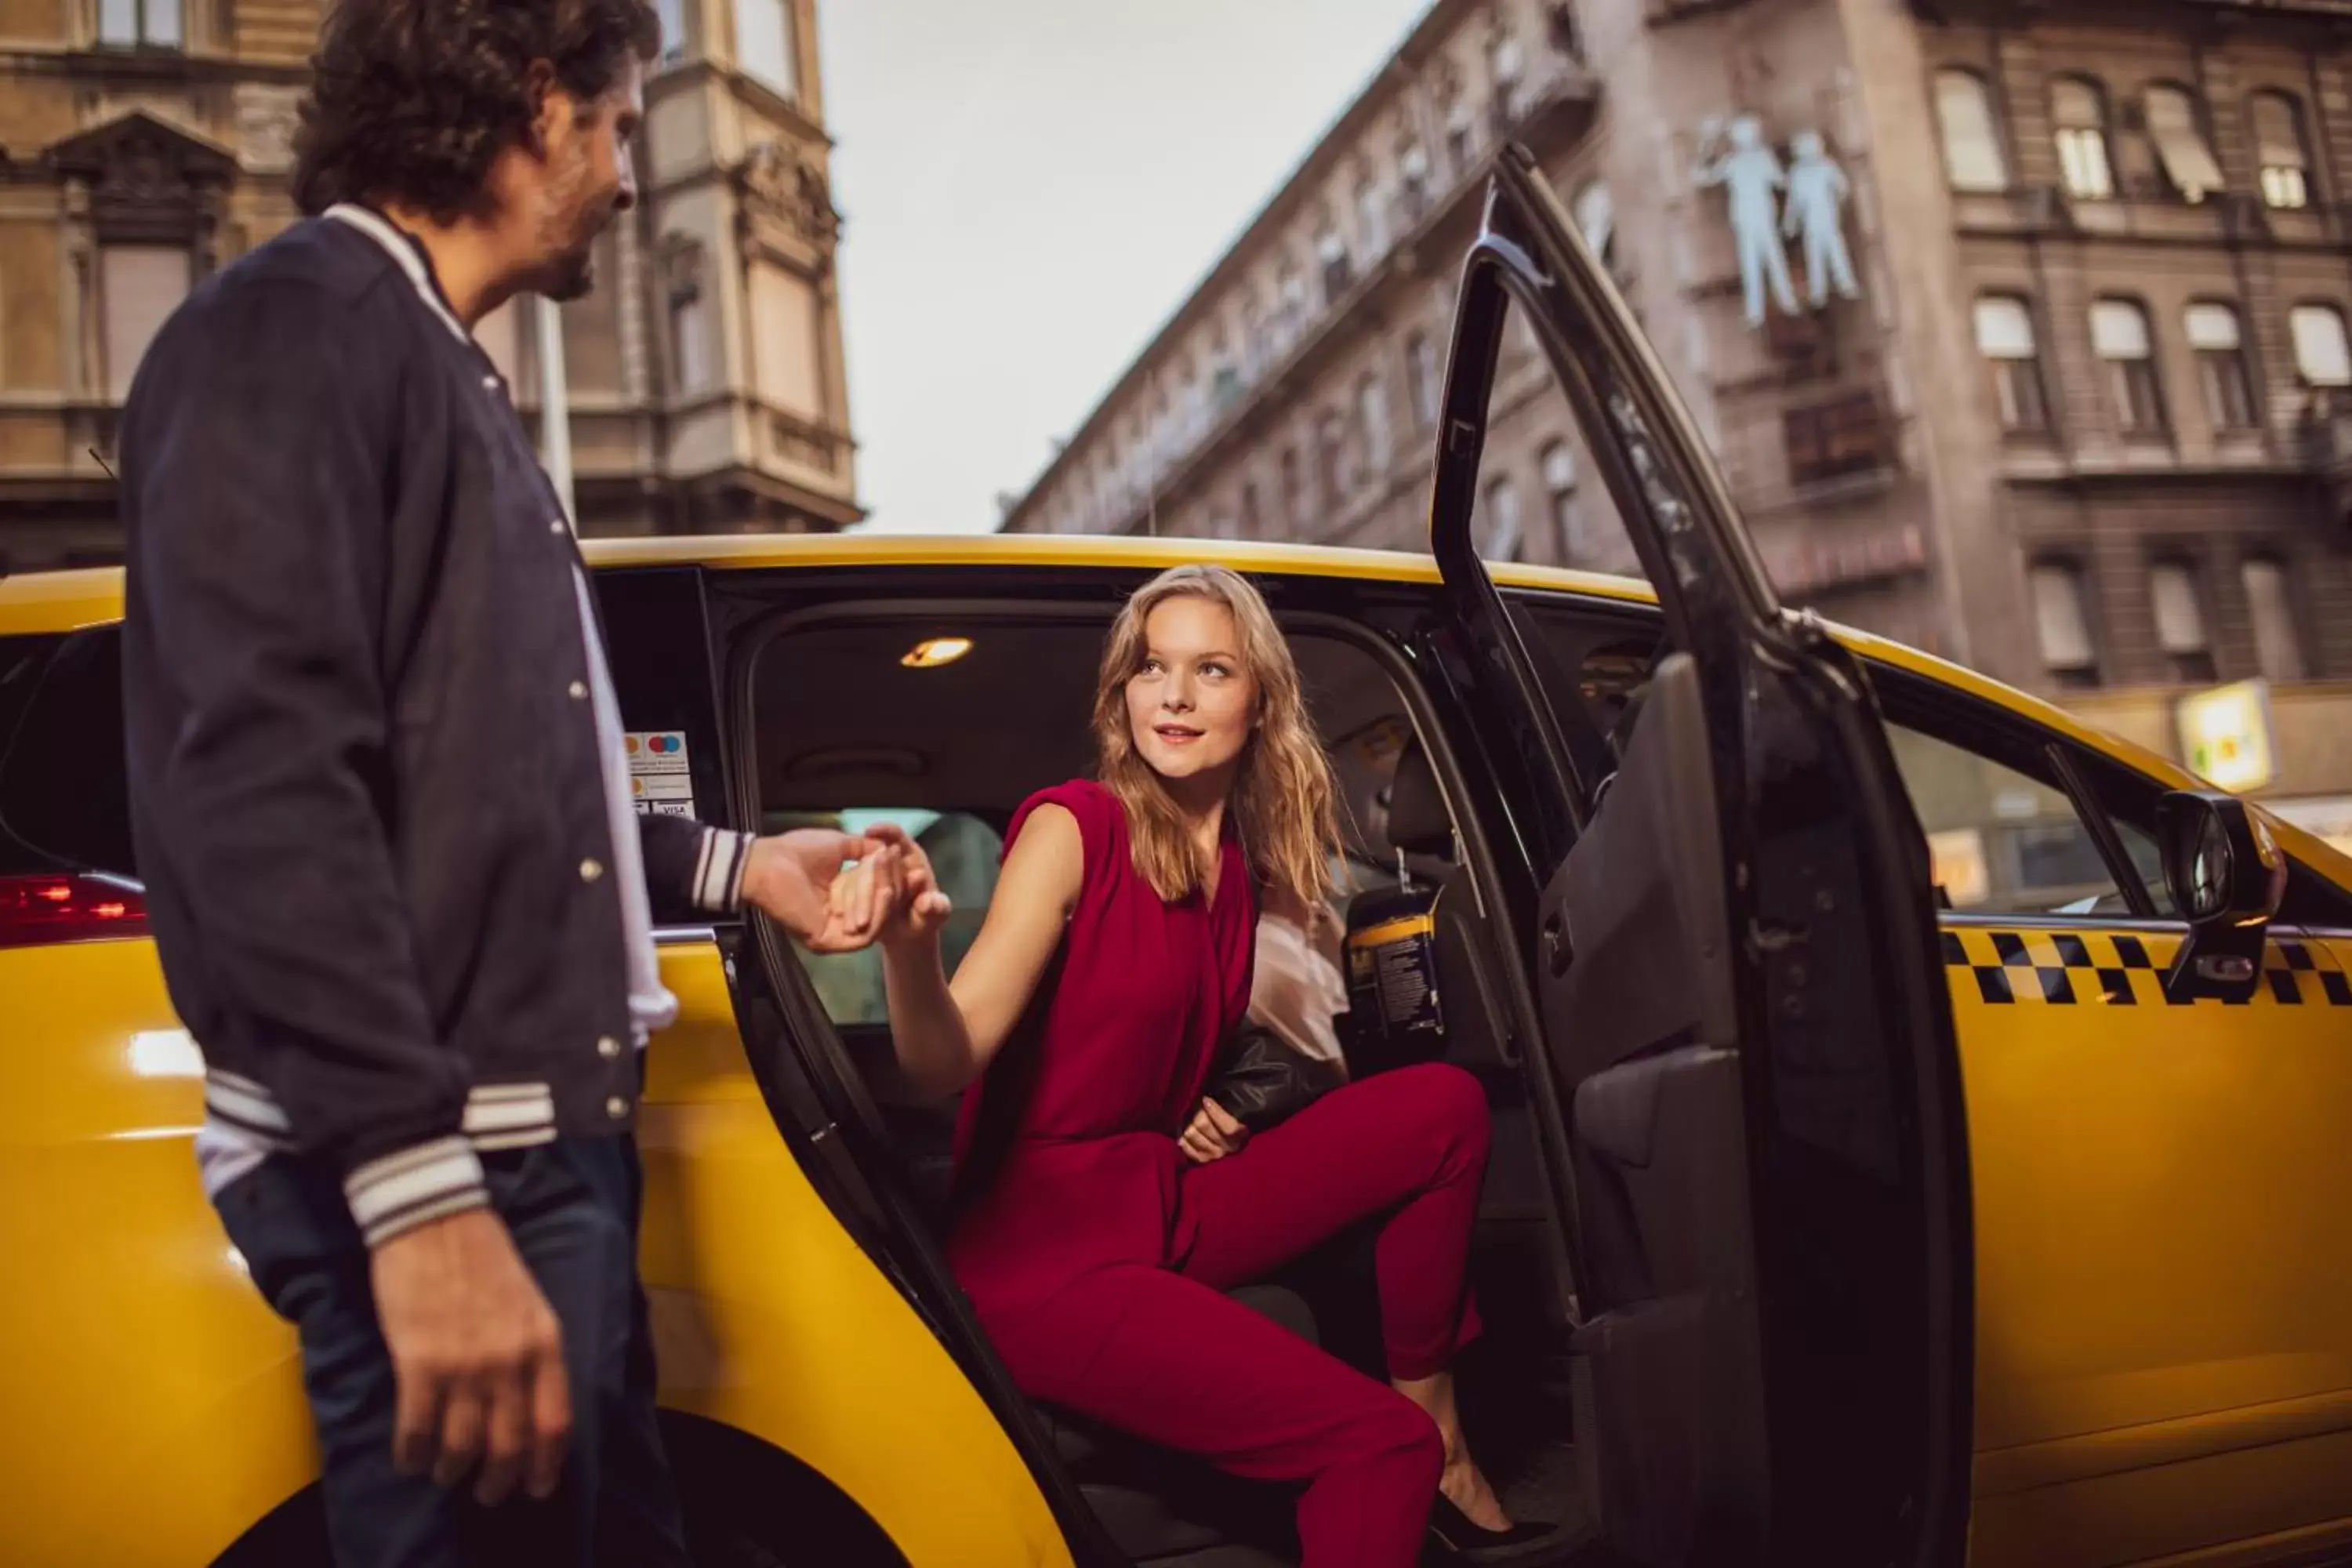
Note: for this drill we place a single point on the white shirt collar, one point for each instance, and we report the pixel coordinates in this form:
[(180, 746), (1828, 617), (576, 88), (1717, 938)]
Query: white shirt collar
[(399, 247)]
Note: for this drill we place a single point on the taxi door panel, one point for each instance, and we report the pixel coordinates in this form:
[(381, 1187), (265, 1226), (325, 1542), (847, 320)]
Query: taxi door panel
[(1766, 1138), (2164, 1306)]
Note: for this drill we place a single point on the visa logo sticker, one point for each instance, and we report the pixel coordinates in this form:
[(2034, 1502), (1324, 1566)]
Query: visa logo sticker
[(660, 777)]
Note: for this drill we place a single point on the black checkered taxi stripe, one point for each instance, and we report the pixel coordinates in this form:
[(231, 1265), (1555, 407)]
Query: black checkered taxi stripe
[(2117, 969)]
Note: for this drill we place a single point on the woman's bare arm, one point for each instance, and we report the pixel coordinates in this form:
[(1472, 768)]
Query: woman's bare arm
[(945, 1036)]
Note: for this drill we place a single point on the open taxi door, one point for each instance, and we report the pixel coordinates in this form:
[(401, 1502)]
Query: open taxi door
[(1730, 924)]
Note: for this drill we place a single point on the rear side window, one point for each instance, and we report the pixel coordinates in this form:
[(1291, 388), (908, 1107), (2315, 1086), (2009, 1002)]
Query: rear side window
[(64, 800)]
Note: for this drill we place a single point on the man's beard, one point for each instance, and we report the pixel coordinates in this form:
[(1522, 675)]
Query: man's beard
[(572, 275)]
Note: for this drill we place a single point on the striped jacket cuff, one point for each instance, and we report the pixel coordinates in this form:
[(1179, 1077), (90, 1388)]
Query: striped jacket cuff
[(718, 868), (427, 1182)]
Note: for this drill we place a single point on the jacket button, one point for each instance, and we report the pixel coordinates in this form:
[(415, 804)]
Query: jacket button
[(579, 690), (617, 1107), (590, 870), (555, 525), (608, 1047)]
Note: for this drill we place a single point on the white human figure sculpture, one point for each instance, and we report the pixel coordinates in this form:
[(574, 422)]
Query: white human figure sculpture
[(1751, 172), (1817, 193)]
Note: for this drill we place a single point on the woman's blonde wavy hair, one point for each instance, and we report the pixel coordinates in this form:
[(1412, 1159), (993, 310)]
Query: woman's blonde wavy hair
[(1284, 804)]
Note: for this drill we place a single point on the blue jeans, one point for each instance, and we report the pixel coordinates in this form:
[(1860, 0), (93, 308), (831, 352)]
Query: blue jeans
[(572, 1207)]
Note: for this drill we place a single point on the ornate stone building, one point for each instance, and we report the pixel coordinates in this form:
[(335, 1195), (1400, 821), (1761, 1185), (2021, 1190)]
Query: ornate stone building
[(2020, 328), (146, 144)]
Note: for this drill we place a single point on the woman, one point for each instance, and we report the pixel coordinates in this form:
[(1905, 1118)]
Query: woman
[(1103, 1204)]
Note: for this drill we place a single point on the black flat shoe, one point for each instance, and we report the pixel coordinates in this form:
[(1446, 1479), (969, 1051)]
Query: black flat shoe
[(1468, 1543)]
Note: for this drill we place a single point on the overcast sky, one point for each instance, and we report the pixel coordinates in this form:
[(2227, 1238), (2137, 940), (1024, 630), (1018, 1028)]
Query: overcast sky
[(1030, 187)]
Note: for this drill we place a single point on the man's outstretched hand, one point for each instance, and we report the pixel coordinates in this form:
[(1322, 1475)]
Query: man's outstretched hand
[(802, 880)]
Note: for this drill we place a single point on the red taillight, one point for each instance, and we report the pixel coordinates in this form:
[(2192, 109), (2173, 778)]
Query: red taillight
[(36, 912)]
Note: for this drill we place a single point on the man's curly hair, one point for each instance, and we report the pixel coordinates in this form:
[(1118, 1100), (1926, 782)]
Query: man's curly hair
[(411, 100)]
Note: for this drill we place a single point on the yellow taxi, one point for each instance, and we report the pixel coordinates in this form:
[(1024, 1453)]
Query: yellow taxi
[(1918, 1118)]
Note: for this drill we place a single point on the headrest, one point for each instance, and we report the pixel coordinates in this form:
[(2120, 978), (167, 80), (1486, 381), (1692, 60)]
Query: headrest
[(1418, 821)]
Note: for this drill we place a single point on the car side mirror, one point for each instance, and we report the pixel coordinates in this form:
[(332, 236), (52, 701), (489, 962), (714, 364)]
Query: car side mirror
[(2228, 878)]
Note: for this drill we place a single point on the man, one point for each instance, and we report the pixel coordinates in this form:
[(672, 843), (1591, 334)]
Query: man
[(382, 807)]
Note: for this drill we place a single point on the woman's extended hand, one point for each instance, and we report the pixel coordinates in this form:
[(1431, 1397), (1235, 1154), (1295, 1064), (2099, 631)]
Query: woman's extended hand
[(907, 904), (1213, 1135)]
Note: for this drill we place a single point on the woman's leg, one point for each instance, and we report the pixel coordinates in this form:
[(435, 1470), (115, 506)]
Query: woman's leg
[(1179, 1364), (1411, 1144)]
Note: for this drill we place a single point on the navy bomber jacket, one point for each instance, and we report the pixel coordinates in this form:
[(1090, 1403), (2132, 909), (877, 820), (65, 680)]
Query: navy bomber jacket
[(366, 785)]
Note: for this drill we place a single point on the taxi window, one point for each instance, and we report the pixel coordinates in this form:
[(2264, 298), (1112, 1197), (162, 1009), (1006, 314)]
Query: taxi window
[(964, 850), (64, 798), (2001, 842)]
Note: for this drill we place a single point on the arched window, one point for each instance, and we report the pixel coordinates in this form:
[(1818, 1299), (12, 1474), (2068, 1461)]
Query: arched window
[(2322, 356), (2079, 110), (2120, 337), (2188, 163), (2217, 339), (1972, 155), (2004, 326), (2280, 150)]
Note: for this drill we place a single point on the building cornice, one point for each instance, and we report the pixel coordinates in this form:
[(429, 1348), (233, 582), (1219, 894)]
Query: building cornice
[(149, 66), (689, 75)]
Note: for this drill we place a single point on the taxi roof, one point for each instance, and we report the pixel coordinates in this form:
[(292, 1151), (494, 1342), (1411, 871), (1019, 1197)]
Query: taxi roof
[(64, 601)]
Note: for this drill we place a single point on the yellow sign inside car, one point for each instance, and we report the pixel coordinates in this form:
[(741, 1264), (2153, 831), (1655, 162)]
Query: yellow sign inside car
[(2225, 736)]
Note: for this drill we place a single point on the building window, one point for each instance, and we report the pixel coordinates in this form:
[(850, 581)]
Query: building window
[(139, 285), (1420, 370), (1460, 133), (1372, 412), (1294, 302), (2277, 647), (2062, 625), (2280, 150), (1252, 345), (690, 330), (1371, 219), (1831, 440), (1294, 492), (764, 45), (671, 13), (2005, 338), (2322, 356), (137, 24), (1252, 523), (1331, 460), (2180, 147), (2214, 335), (1507, 64), (1412, 172), (2080, 112), (1567, 517), (1505, 532), (1973, 156), (1332, 256), (2180, 620), (788, 366), (2119, 336)]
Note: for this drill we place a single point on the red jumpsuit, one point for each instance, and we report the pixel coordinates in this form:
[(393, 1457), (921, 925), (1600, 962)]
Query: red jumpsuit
[(1095, 1254)]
